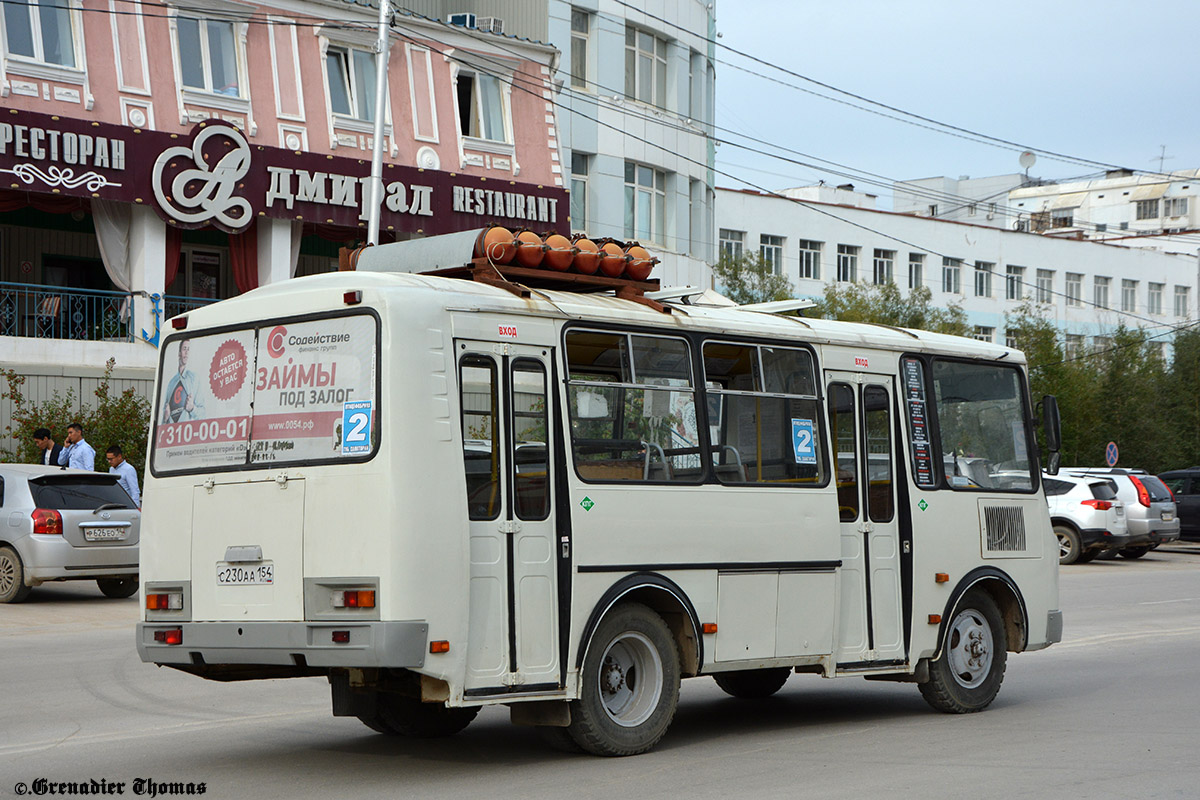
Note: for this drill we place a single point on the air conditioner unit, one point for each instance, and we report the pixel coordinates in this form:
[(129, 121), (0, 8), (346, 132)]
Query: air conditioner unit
[(490, 24), (462, 20)]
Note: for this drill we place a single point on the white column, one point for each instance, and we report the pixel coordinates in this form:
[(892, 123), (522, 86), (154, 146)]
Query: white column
[(147, 262), (274, 250)]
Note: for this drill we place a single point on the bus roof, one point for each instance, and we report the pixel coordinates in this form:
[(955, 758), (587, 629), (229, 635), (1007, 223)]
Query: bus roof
[(449, 293)]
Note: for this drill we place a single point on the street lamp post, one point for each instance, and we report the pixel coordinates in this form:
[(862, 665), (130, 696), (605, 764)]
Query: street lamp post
[(382, 46)]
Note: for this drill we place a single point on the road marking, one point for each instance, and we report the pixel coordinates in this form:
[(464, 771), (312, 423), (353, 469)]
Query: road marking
[(1110, 638), (1162, 602)]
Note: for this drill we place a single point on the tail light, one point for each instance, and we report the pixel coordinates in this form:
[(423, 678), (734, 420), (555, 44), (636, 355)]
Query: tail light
[(169, 636), (354, 599), (1143, 495), (169, 601), (1099, 505), (47, 520)]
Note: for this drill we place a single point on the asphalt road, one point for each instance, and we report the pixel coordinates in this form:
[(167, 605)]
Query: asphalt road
[(1111, 712)]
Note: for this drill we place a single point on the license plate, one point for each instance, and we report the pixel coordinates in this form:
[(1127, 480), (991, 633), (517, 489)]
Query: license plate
[(1168, 516), (105, 534), (247, 574)]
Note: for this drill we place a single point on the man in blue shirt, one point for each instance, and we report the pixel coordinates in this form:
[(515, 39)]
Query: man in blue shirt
[(77, 454), (126, 474)]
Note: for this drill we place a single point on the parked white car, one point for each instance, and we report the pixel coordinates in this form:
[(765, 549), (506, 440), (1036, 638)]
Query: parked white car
[(1149, 506), (1087, 516)]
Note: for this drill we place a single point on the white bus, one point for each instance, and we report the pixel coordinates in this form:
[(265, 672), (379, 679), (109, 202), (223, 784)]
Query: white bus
[(443, 495)]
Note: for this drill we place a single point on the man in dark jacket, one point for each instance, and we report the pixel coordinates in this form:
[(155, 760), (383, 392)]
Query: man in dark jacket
[(50, 450)]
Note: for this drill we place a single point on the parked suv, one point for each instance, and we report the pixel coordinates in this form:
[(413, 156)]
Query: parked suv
[(64, 525), (1149, 507), (1088, 518), (1185, 485)]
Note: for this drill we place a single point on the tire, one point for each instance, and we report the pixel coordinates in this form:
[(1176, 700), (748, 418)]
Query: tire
[(118, 587), (12, 577), (752, 684), (559, 739), (1135, 552), (407, 716), (1087, 555), (630, 684), (1069, 548), (967, 675)]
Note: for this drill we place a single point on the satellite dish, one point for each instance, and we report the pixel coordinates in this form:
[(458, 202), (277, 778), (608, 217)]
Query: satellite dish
[(1027, 159)]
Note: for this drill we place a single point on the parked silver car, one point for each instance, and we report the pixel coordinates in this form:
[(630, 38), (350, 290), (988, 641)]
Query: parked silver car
[(1088, 518), (1149, 507), (65, 525)]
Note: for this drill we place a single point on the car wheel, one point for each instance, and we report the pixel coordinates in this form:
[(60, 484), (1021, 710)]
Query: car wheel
[(630, 684), (12, 577), (752, 684), (1135, 552), (1069, 548), (118, 587), (966, 677)]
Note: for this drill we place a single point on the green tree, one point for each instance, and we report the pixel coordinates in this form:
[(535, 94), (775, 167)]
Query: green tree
[(884, 304), (749, 279), (121, 419)]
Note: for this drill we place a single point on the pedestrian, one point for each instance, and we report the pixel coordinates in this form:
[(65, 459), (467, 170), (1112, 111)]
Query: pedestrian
[(77, 454), (126, 474), (50, 450)]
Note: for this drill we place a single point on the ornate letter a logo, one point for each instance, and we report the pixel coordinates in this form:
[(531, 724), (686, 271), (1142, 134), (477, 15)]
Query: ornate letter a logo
[(196, 184)]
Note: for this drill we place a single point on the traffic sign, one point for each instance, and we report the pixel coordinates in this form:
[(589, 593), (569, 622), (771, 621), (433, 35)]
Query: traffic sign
[(1111, 453)]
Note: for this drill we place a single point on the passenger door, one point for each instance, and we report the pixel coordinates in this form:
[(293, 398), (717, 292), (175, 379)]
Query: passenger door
[(507, 420), (870, 628)]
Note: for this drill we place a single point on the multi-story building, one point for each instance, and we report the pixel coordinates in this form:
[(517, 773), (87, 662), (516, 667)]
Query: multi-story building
[(168, 156), (1089, 287)]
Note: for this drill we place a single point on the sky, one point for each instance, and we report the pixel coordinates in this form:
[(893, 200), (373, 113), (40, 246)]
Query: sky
[(1103, 81)]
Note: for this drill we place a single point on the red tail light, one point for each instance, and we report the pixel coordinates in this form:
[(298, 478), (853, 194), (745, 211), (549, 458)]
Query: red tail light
[(47, 520), (1099, 505), (169, 636), (1143, 495)]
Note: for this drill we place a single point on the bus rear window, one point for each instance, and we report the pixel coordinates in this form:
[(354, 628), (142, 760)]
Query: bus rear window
[(279, 393)]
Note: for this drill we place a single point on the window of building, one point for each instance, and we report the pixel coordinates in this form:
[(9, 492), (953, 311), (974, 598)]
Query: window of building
[(1100, 287), (770, 249), (933, 210), (983, 278), (847, 263), (208, 56), (645, 202), (481, 106), (41, 30), (351, 76), (1181, 301), (645, 67), (1010, 339), (1175, 207), (1073, 345), (983, 333), (581, 23), (1154, 298), (916, 270), (952, 275), (1074, 288), (1101, 344), (580, 164), (1128, 295), (732, 243), (1147, 209), (1014, 288), (883, 265), (1101, 227), (970, 209), (1062, 218), (810, 259), (1045, 286)]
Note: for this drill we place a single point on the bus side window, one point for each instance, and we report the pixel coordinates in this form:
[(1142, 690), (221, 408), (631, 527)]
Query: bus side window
[(481, 436), (879, 453), (531, 438), (845, 449)]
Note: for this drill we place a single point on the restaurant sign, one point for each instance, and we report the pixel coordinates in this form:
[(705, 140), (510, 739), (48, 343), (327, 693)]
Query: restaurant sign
[(215, 176)]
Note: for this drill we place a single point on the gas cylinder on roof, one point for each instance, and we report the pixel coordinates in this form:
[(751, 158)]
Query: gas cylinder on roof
[(640, 262), (530, 249), (612, 259), (497, 243), (587, 260), (560, 252)]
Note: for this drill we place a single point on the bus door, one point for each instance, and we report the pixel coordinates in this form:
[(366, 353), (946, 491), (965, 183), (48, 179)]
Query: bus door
[(870, 609), (506, 427)]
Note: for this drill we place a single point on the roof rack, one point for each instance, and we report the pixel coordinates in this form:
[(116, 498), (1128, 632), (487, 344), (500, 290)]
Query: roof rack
[(518, 263)]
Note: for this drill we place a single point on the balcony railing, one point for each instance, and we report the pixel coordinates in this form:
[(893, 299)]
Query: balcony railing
[(54, 312), (174, 306)]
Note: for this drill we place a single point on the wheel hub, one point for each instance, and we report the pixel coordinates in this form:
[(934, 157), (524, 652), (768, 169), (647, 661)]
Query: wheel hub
[(614, 676)]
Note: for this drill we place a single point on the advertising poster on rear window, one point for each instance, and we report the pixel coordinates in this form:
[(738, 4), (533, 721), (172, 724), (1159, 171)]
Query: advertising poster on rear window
[(314, 390), (203, 411)]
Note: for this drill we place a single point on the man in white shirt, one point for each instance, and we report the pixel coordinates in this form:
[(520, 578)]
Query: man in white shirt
[(126, 474), (77, 454)]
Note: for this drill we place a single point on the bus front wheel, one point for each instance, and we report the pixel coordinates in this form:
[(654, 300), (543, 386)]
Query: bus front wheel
[(966, 677), (630, 684), (405, 716)]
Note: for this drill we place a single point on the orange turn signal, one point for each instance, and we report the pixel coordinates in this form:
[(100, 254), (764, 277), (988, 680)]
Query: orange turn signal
[(941, 577), (935, 619), (709, 627), (439, 647)]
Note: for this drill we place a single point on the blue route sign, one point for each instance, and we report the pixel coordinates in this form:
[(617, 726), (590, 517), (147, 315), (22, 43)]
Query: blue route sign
[(1111, 453)]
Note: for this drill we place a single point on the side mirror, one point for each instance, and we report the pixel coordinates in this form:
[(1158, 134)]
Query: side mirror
[(1053, 428)]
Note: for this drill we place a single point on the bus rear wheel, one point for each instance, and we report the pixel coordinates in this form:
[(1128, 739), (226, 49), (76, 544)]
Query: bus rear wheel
[(752, 684), (630, 684), (406, 716), (966, 677)]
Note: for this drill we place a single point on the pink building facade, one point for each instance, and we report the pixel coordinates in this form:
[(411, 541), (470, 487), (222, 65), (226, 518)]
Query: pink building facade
[(154, 157)]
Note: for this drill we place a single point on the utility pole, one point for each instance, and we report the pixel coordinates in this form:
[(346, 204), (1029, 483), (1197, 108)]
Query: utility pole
[(382, 46)]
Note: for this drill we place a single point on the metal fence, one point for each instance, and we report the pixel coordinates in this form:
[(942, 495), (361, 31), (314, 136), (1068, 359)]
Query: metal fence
[(174, 306), (54, 312)]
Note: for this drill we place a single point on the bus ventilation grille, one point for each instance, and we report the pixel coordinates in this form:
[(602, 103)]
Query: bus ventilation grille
[(1005, 528)]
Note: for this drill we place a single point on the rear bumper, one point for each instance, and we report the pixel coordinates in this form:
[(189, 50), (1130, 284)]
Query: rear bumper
[(371, 644), (1054, 631), (53, 558), (1099, 538), (1149, 532)]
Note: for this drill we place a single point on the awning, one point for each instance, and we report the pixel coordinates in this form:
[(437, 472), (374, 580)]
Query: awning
[(1151, 191), (1071, 200)]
